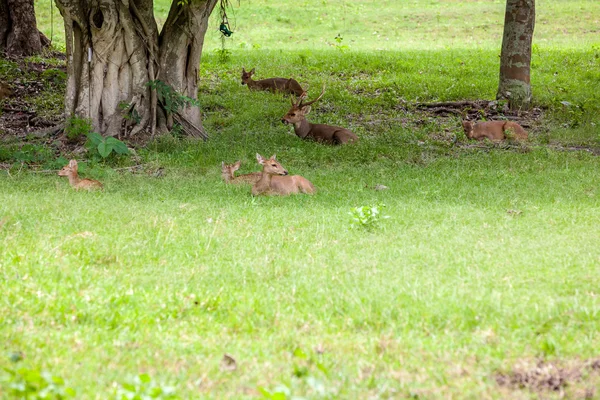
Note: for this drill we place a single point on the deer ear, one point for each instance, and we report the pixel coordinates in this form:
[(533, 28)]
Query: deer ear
[(73, 163), (243, 70), (237, 164), (252, 71), (273, 157), (260, 159), (306, 110), (222, 164)]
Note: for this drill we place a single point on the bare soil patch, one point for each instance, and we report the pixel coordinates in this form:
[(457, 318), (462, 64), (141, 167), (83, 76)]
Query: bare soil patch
[(573, 379)]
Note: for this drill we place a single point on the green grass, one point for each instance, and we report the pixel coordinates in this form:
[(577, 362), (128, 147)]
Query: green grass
[(490, 256), (163, 276), (374, 25)]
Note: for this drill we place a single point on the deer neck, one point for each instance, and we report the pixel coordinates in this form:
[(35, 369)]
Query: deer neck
[(74, 178), (227, 176), (302, 128), (252, 84)]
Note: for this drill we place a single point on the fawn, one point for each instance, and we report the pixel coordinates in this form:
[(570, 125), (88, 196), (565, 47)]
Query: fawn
[(319, 132), (281, 184), (290, 85), (228, 174), (77, 183), (494, 130)]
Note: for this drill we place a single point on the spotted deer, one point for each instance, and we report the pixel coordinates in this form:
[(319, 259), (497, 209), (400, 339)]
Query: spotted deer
[(284, 85), (494, 130), (274, 180), (318, 132), (74, 180), (228, 174)]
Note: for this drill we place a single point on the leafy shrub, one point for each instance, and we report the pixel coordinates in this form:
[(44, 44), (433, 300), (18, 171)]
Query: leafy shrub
[(104, 147)]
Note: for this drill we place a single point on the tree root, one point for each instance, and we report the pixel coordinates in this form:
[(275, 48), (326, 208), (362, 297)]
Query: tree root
[(189, 128)]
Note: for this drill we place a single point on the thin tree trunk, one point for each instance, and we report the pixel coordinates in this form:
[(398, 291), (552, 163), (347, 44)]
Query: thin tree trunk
[(515, 59), (19, 35), (114, 51), (180, 60)]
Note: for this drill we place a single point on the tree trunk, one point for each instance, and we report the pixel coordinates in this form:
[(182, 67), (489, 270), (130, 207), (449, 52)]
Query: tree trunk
[(114, 50), (515, 59), (19, 36)]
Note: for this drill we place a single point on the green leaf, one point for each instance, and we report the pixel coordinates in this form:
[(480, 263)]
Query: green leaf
[(95, 138), (104, 149), (118, 146), (299, 353), (144, 378)]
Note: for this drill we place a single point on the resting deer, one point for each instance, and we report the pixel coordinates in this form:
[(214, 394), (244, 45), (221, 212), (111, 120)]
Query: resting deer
[(319, 132), (494, 130), (281, 184), (228, 174), (290, 85), (77, 183)]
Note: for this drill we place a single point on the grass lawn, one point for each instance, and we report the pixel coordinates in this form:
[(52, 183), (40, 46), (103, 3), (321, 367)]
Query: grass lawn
[(485, 276)]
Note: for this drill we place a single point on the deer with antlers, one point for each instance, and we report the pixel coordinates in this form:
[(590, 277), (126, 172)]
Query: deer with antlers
[(319, 132), (284, 85)]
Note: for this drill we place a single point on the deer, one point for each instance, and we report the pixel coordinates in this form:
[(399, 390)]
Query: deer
[(228, 174), (290, 85), (77, 183), (274, 180), (318, 132), (494, 130)]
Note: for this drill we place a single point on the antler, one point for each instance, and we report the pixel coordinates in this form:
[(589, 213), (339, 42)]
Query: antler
[(302, 104)]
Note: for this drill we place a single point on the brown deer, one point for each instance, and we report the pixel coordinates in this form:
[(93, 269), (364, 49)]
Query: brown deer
[(290, 85), (319, 132), (77, 183), (494, 130), (275, 180), (228, 174)]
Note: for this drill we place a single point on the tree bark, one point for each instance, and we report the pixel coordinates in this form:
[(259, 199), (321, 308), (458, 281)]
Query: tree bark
[(515, 59), (114, 50), (19, 36)]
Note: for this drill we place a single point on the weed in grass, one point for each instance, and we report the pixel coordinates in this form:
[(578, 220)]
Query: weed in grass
[(368, 217), (25, 383)]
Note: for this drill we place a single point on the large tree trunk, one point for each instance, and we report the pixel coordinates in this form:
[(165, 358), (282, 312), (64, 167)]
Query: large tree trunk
[(19, 35), (114, 50), (515, 59)]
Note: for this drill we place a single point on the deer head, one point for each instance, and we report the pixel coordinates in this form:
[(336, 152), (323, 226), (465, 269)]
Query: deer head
[(228, 170), (246, 76), (468, 127), (271, 166), (69, 169), (300, 109)]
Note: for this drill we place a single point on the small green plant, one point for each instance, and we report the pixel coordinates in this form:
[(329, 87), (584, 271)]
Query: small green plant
[(223, 54), (24, 383), (76, 128), (130, 112), (98, 145), (143, 388), (171, 100), (367, 217), (338, 43)]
